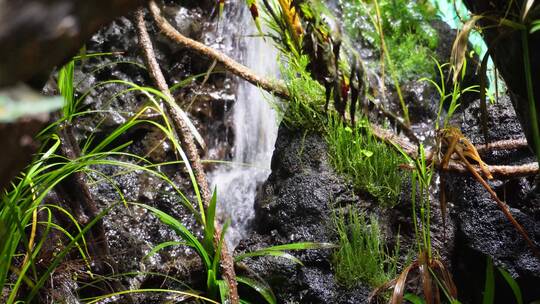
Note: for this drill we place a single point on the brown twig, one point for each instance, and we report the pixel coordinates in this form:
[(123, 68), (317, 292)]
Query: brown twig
[(393, 118), (181, 127), (75, 191), (501, 204), (188, 143), (507, 144), (500, 172), (231, 65)]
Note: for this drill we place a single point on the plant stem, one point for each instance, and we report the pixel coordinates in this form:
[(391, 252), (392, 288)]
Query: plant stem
[(391, 65)]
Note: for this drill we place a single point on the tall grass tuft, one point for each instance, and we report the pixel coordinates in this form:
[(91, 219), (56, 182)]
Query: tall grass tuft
[(362, 255), (371, 165)]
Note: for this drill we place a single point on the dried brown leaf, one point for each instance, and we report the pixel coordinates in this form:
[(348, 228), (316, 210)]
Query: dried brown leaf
[(446, 277), (427, 284), (379, 289), (399, 288), (459, 48)]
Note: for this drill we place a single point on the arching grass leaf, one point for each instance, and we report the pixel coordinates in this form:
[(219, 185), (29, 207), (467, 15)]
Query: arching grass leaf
[(513, 284), (261, 287)]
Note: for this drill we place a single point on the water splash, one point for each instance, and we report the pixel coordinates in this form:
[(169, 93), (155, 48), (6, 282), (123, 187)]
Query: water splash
[(255, 129)]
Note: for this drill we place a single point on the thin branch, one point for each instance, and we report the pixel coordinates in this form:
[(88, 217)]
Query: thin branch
[(188, 142), (500, 172), (277, 88), (504, 208), (181, 126), (507, 144)]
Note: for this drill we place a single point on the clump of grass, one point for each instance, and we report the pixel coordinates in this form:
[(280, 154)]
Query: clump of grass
[(305, 109), (371, 165), (362, 255), (406, 29)]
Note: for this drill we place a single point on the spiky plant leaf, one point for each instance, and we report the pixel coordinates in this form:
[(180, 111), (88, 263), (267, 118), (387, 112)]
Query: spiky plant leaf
[(526, 9)]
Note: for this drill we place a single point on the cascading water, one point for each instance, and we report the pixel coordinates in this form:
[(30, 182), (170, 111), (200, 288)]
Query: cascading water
[(255, 129)]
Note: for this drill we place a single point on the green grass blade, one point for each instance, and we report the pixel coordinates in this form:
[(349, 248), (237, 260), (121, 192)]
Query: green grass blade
[(217, 255), (224, 291), (148, 290), (209, 228), (414, 299), (278, 250), (261, 287), (301, 246), (489, 287), (182, 231), (513, 284), (163, 245), (275, 253)]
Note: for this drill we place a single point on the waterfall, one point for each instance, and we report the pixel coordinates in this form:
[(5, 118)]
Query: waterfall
[(255, 129)]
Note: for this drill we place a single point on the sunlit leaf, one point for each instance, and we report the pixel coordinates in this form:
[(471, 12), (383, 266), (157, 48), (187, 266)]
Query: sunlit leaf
[(414, 299), (209, 228), (224, 291), (160, 246), (459, 48), (526, 9), (367, 153), (535, 26), (280, 254)]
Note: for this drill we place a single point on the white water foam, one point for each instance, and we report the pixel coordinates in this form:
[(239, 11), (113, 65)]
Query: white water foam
[(255, 129)]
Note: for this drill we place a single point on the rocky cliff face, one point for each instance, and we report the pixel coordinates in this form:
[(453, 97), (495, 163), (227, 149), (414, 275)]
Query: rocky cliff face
[(295, 204), (483, 230)]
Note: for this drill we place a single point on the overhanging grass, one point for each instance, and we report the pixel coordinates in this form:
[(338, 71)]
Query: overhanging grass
[(305, 108)]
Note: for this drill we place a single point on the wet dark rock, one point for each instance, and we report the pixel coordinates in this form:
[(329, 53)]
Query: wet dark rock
[(297, 198), (483, 230), (133, 231), (208, 103), (295, 205), (419, 97)]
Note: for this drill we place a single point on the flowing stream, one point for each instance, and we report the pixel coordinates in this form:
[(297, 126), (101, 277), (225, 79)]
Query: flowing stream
[(255, 129)]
